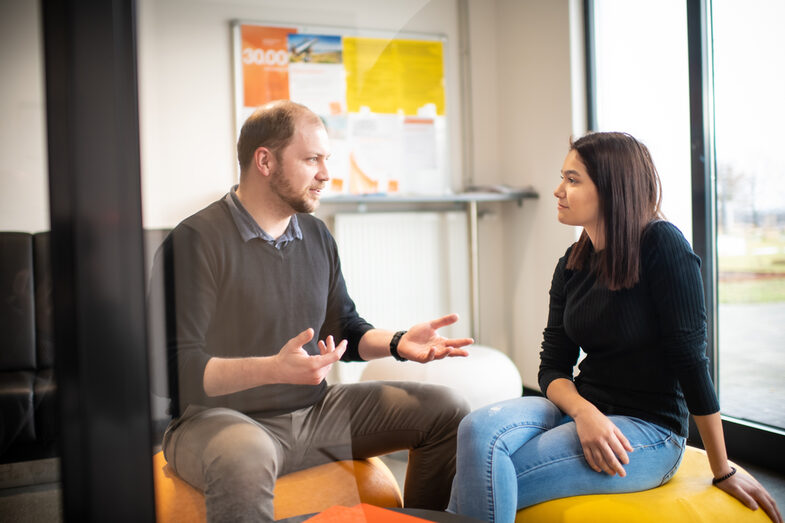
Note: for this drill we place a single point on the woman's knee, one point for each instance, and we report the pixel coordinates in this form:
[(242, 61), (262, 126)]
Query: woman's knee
[(492, 421), (483, 424), (527, 410)]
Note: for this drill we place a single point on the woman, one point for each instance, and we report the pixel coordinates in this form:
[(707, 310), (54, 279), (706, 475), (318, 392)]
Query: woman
[(629, 294)]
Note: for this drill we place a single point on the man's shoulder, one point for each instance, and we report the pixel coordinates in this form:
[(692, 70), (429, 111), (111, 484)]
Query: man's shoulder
[(214, 216), (312, 226), (316, 237), (210, 226)]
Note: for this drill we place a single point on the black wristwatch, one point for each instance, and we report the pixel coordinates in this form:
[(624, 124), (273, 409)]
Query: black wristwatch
[(394, 346)]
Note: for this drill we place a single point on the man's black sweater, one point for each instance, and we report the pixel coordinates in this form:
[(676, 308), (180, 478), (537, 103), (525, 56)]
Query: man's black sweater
[(234, 299)]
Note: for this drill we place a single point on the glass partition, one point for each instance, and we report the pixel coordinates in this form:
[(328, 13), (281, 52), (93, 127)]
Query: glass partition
[(29, 466), (189, 124)]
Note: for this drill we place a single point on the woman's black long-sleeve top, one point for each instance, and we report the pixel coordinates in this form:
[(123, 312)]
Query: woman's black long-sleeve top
[(645, 346)]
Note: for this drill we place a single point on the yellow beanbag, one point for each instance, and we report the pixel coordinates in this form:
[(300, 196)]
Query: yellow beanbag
[(688, 497)]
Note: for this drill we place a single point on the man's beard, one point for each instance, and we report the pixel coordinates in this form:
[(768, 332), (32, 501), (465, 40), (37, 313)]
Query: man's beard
[(299, 202)]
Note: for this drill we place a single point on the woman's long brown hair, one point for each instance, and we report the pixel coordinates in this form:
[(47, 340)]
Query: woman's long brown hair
[(629, 193)]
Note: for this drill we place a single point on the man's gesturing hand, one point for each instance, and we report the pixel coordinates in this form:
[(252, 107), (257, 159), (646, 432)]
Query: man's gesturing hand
[(294, 365), (422, 343)]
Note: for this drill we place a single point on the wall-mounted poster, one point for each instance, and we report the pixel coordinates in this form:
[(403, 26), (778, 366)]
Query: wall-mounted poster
[(382, 100)]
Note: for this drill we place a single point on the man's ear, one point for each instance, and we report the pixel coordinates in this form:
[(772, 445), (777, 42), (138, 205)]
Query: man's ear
[(264, 160)]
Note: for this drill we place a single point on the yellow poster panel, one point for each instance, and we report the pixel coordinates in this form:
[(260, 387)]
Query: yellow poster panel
[(388, 76)]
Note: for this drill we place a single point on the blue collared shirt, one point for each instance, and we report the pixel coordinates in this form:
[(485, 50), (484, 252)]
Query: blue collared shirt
[(249, 229)]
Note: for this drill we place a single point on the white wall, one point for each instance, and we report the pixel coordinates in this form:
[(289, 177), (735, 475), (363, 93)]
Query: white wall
[(524, 114), (186, 91), (522, 108), (24, 196), (535, 130)]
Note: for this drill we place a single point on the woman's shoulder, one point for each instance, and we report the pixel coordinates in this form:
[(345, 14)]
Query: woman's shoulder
[(658, 232), (566, 256), (561, 265), (663, 238)]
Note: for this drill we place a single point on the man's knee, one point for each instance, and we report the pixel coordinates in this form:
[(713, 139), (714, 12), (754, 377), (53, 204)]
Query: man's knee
[(453, 403), (243, 454), (445, 405)]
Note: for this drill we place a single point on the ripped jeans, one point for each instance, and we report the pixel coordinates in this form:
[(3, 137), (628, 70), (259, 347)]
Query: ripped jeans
[(524, 451)]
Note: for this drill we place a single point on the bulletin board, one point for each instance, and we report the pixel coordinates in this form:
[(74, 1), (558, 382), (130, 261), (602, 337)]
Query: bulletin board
[(381, 96)]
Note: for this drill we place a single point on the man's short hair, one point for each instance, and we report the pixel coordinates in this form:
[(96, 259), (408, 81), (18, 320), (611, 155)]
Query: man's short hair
[(271, 125)]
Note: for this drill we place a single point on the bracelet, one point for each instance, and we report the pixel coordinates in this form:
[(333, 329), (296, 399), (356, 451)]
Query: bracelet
[(723, 478), (394, 346)]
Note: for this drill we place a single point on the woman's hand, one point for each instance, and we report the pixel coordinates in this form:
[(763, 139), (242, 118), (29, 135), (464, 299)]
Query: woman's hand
[(746, 489), (741, 486), (604, 445)]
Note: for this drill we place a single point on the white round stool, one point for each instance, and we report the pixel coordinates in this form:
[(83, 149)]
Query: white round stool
[(486, 376)]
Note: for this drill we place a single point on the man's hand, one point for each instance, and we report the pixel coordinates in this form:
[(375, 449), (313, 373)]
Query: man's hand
[(604, 446), (422, 343), (295, 366)]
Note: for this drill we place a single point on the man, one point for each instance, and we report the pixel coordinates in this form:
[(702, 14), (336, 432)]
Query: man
[(261, 312)]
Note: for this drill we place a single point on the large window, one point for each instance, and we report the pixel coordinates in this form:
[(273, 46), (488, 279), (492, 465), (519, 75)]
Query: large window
[(749, 111), (648, 78), (640, 50)]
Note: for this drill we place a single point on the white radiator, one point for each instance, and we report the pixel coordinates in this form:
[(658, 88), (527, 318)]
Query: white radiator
[(403, 268)]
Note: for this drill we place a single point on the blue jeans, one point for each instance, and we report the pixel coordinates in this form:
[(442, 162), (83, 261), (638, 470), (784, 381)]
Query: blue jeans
[(524, 451)]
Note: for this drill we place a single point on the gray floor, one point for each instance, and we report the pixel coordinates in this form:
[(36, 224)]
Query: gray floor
[(30, 492), (752, 362), (36, 503)]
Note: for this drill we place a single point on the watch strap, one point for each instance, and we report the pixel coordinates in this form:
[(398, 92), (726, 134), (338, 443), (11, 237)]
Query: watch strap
[(394, 346)]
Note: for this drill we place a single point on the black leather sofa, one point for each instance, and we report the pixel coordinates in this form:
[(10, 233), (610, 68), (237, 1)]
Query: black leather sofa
[(28, 424), (27, 400)]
